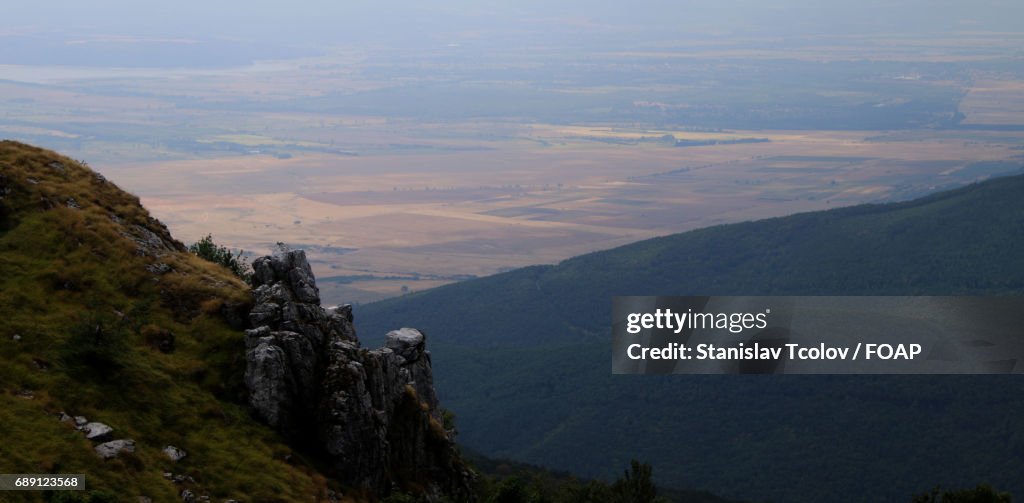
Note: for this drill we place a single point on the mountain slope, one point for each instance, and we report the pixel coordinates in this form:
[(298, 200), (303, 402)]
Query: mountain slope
[(104, 315), (523, 357)]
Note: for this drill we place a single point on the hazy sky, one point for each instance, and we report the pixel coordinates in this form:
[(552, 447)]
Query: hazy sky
[(212, 33), (326, 22)]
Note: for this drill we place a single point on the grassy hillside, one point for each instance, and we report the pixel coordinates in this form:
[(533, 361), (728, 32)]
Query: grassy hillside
[(523, 358), (104, 315)]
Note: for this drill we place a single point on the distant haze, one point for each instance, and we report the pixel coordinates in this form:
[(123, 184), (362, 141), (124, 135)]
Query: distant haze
[(320, 25)]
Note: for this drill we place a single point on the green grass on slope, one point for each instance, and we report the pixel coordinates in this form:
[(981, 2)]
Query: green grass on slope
[(523, 358), (67, 271)]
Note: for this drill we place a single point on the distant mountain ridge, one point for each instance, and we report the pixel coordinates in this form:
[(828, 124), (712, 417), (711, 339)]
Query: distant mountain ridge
[(523, 357)]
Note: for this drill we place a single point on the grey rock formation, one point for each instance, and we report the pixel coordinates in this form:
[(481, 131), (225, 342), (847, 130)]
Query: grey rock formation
[(97, 431), (158, 268), (409, 345), (152, 243), (174, 453), (373, 413), (110, 450)]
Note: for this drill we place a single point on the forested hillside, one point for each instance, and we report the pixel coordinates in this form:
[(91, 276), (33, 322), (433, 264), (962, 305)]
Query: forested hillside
[(524, 357)]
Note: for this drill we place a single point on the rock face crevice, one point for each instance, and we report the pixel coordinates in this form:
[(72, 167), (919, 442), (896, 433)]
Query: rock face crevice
[(373, 414)]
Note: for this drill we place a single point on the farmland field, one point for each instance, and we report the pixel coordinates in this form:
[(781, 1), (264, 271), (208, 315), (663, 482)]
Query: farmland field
[(401, 173)]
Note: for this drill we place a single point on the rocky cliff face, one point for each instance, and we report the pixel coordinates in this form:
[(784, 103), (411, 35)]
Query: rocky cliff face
[(373, 414)]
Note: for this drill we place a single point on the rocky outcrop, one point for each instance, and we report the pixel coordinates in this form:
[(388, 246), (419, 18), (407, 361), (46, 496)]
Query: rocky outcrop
[(373, 414), (97, 431), (110, 450), (174, 453)]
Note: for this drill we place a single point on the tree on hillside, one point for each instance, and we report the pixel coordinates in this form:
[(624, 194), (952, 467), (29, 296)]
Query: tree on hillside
[(636, 485)]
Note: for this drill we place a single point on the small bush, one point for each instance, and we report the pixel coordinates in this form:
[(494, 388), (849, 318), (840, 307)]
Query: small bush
[(448, 419), (96, 348), (207, 249)]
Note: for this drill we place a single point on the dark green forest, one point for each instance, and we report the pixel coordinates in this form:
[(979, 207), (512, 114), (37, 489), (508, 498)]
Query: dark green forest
[(523, 358)]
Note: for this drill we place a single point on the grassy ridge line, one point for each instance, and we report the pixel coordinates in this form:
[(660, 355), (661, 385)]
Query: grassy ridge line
[(522, 357), (70, 263)]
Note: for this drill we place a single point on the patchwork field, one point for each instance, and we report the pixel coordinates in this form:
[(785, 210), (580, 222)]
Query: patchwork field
[(384, 224), (998, 102)]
